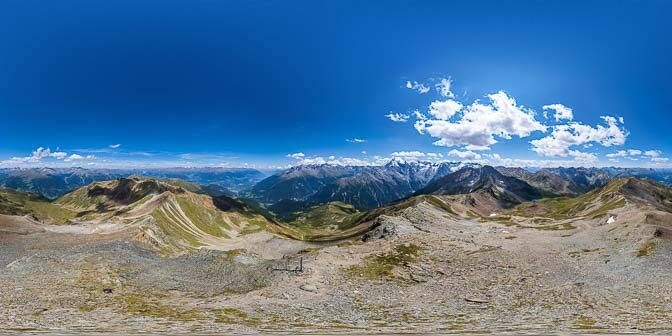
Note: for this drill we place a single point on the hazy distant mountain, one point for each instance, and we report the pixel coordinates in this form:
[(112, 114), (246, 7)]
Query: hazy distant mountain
[(576, 181), (234, 179), (50, 182), (363, 187), (507, 189), (54, 182)]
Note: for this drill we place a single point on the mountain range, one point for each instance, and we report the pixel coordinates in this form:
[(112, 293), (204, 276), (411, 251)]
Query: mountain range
[(54, 182), (164, 250), (364, 187)]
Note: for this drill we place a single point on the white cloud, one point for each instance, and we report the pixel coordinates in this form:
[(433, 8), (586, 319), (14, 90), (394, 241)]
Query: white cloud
[(583, 156), (419, 115), (59, 155), (563, 137), (398, 117), (620, 153), (77, 157), (636, 154), (479, 124), (74, 157), (421, 88), (497, 160), (562, 112), (355, 140), (465, 155), (41, 153), (36, 157), (443, 88), (297, 156), (115, 146), (409, 155), (653, 153), (443, 110)]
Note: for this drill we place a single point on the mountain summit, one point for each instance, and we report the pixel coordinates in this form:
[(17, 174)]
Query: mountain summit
[(508, 190)]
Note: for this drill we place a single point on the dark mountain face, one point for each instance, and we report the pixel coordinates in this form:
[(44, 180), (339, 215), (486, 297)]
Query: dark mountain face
[(299, 183), (583, 179), (508, 190), (382, 185), (547, 182), (362, 187), (130, 190)]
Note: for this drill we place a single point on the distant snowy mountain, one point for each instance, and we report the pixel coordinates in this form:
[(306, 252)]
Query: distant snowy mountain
[(364, 187)]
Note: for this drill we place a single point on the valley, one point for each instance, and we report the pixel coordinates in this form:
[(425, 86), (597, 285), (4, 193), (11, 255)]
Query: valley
[(470, 250)]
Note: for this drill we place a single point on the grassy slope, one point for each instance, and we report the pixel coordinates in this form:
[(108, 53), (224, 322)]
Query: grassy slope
[(20, 203), (607, 197)]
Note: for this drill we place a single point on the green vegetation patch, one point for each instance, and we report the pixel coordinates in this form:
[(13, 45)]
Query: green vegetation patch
[(171, 227), (326, 221), (381, 266), (566, 207), (21, 203), (152, 307), (646, 249), (556, 227), (207, 220)]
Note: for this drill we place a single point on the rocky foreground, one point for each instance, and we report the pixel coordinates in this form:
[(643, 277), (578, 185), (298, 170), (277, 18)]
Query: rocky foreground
[(445, 264)]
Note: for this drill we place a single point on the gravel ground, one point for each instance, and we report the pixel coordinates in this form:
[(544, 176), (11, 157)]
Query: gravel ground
[(431, 272)]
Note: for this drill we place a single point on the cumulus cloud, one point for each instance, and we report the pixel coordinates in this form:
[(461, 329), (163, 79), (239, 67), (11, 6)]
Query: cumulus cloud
[(653, 153), (480, 123), (297, 156), (562, 112), (419, 87), (620, 153), (355, 140), (497, 160), (74, 157), (398, 117), (409, 155), (37, 157), (465, 155), (418, 115), (444, 110), (443, 87), (636, 154), (563, 137)]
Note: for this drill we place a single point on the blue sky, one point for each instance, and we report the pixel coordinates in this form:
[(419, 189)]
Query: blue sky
[(239, 83)]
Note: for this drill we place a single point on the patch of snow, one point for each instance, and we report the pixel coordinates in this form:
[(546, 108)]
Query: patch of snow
[(493, 215), (611, 220)]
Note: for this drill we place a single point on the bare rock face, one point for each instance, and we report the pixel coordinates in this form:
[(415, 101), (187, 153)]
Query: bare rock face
[(387, 227)]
